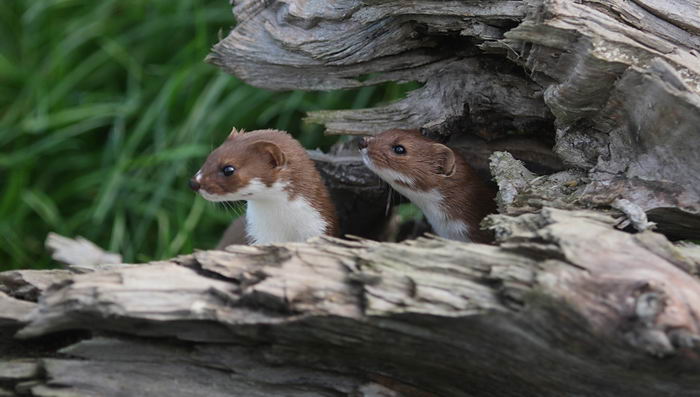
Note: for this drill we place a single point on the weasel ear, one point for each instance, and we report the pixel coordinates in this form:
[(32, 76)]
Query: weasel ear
[(234, 132), (273, 152), (444, 160)]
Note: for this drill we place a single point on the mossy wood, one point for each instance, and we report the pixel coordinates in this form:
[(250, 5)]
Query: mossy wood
[(579, 295)]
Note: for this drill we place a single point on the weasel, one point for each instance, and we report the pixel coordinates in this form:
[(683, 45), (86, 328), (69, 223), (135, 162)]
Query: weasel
[(287, 200), (434, 178)]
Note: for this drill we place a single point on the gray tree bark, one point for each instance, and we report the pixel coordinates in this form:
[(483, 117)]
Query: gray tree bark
[(559, 307), (614, 84), (586, 114)]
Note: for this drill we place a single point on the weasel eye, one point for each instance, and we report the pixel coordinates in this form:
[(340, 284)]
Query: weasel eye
[(398, 149), (228, 170)]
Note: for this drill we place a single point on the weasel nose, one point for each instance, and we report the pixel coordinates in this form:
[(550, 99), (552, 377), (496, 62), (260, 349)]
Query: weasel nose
[(363, 143), (194, 185)]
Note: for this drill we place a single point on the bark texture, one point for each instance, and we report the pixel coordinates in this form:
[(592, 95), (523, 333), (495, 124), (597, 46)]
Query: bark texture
[(558, 308), (613, 85), (586, 116)]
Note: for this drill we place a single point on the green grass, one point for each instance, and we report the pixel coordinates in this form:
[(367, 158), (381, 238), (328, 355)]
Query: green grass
[(107, 109)]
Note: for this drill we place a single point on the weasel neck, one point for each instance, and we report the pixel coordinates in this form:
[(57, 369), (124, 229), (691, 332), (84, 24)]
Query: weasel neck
[(431, 204), (277, 217)]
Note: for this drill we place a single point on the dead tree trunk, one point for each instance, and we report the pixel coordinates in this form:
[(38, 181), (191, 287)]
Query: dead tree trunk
[(613, 84), (560, 307), (565, 303)]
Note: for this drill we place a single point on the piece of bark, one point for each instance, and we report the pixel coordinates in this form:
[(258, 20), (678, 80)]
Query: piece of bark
[(13, 311), (15, 370), (635, 215), (79, 254), (29, 284), (521, 191)]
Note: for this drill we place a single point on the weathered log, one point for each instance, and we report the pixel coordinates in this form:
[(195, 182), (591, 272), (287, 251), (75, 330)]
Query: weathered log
[(558, 308), (614, 84)]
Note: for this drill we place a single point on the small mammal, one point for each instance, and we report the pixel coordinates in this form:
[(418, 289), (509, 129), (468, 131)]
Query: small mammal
[(287, 200), (435, 178)]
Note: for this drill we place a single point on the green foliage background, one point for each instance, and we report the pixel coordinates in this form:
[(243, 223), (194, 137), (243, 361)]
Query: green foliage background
[(107, 109)]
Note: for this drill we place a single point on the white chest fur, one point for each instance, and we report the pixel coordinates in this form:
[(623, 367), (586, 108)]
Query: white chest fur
[(283, 220), (272, 217), (430, 202)]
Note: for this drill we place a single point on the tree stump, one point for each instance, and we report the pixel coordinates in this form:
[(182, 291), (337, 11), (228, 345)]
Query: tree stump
[(585, 114)]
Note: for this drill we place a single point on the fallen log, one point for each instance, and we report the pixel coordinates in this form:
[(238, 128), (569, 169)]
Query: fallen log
[(615, 85), (558, 308)]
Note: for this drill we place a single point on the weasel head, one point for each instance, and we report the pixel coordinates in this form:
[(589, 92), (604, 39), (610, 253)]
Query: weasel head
[(408, 160), (242, 168)]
